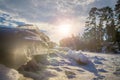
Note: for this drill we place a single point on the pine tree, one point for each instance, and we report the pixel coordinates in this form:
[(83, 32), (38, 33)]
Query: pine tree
[(107, 23), (99, 24), (117, 12)]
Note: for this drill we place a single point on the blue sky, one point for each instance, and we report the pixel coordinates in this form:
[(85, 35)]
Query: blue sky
[(49, 14)]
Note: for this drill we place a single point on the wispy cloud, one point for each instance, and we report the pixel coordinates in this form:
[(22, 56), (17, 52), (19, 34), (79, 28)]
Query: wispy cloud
[(46, 10), (47, 13)]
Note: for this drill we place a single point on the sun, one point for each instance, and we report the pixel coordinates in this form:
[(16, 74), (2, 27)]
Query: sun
[(64, 30)]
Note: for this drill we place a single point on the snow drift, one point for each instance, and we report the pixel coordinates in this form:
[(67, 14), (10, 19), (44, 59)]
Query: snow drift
[(78, 56), (17, 46)]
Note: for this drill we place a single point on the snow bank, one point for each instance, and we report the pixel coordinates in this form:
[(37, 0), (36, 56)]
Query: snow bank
[(10, 74), (78, 56)]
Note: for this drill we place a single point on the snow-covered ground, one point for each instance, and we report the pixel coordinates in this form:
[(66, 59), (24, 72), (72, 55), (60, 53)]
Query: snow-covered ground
[(60, 66), (101, 67)]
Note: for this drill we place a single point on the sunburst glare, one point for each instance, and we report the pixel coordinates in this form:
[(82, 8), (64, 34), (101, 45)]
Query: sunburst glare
[(65, 30)]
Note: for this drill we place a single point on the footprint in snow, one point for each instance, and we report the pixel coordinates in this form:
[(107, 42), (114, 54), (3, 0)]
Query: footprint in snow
[(99, 58), (102, 70), (100, 77), (57, 69), (97, 62), (117, 71), (70, 74), (74, 69), (80, 70)]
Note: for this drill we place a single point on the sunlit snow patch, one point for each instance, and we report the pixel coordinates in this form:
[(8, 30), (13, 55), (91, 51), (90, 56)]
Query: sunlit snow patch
[(78, 56)]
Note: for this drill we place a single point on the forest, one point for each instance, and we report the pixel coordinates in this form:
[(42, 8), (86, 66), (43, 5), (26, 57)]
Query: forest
[(102, 31)]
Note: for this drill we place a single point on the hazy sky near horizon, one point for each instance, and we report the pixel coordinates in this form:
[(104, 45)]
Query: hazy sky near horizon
[(50, 14)]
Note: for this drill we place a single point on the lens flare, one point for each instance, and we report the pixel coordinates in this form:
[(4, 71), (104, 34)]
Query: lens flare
[(64, 30)]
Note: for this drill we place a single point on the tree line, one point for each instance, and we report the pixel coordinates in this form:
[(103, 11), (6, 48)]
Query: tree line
[(102, 31)]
